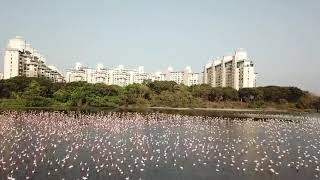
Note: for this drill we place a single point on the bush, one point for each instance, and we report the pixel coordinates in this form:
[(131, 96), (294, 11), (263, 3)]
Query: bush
[(230, 94), (106, 101), (316, 104), (137, 94), (61, 95), (173, 99), (256, 104), (160, 86), (12, 103), (38, 101), (250, 94), (305, 102)]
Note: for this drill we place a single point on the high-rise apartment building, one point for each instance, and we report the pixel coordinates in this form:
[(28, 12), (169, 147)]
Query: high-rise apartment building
[(236, 71), (21, 59)]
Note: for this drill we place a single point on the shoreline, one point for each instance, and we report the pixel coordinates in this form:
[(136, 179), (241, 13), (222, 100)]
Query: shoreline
[(226, 109), (71, 108)]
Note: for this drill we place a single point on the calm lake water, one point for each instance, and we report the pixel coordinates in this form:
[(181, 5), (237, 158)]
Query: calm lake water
[(157, 146)]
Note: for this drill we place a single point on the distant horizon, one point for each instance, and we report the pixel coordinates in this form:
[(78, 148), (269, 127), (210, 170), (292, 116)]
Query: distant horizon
[(283, 44)]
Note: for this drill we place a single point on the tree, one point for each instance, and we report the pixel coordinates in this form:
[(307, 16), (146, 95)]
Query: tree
[(250, 94), (74, 85), (180, 87), (230, 94), (275, 93), (304, 102), (293, 94), (62, 95), (271, 93), (46, 87), (32, 96), (147, 81), (18, 84), (86, 94), (316, 104), (105, 101), (4, 90), (173, 99), (159, 86), (32, 90), (101, 89), (137, 94), (82, 95), (111, 90), (203, 91), (217, 94)]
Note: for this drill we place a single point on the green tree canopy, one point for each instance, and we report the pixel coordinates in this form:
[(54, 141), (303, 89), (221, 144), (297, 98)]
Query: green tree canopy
[(230, 94), (42, 92), (250, 94), (4, 90), (33, 97), (316, 104), (275, 93), (203, 91), (159, 86), (33, 90), (137, 94)]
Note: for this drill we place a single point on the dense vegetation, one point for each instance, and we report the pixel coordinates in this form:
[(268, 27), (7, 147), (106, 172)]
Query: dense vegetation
[(35, 92)]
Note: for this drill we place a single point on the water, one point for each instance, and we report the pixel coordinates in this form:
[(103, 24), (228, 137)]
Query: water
[(114, 145)]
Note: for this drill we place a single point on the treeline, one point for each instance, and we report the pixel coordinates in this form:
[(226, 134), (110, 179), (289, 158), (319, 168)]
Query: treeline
[(37, 92)]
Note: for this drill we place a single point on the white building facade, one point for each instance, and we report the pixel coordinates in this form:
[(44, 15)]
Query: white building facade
[(111, 76), (20, 59), (186, 77), (123, 77), (236, 71)]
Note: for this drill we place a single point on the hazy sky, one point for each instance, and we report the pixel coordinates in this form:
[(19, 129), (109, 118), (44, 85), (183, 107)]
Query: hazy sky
[(282, 37)]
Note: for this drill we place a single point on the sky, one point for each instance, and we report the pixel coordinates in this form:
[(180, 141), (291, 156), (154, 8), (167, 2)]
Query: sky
[(281, 37)]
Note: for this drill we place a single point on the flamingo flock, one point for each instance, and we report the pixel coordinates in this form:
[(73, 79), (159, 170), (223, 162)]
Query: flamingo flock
[(113, 145)]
